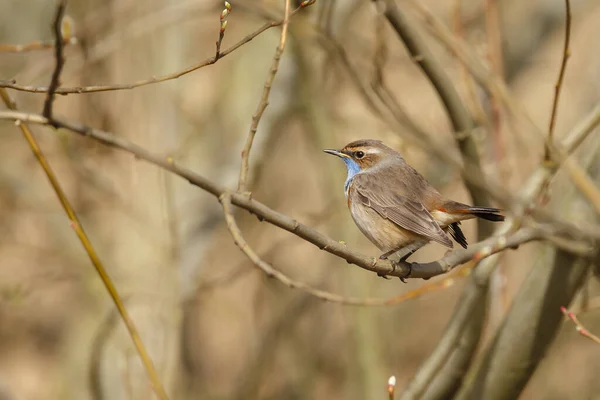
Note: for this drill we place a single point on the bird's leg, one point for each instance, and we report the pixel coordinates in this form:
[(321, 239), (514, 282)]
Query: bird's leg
[(384, 256), (404, 257)]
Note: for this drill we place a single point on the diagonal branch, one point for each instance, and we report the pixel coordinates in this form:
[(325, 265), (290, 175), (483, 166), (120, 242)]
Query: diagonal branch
[(384, 267), (582, 330)]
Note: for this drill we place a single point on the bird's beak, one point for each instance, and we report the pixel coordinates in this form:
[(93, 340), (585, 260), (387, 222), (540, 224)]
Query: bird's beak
[(336, 153)]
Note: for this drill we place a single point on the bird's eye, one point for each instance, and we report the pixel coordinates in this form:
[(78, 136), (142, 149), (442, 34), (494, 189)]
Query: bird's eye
[(359, 154)]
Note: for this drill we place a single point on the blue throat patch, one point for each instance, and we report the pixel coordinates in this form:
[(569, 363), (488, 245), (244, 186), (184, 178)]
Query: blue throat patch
[(353, 169)]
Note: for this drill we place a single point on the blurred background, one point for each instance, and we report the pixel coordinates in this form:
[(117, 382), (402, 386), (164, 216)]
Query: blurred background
[(215, 326)]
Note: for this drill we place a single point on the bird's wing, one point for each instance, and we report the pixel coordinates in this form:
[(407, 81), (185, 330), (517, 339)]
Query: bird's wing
[(404, 212)]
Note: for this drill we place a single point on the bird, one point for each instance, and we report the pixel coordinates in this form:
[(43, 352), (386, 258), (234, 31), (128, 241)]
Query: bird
[(395, 207)]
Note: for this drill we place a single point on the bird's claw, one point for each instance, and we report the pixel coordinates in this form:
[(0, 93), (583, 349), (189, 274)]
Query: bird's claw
[(405, 277)]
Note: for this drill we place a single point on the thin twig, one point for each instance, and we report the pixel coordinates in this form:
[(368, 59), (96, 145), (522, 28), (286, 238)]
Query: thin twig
[(561, 75), (11, 84), (59, 59), (383, 267), (264, 101), (579, 326), (87, 245), (223, 18)]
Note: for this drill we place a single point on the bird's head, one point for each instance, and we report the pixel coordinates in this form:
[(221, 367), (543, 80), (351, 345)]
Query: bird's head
[(362, 154)]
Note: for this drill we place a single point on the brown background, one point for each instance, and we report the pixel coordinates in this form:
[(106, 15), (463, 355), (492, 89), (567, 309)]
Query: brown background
[(216, 327)]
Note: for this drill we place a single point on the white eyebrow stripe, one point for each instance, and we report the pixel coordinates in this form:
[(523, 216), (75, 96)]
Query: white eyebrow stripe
[(372, 151)]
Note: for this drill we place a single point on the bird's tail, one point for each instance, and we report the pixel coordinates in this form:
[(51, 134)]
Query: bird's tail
[(487, 213)]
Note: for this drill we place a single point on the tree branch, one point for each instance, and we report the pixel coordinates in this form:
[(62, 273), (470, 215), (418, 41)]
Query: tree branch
[(582, 330), (152, 80), (559, 82), (383, 267)]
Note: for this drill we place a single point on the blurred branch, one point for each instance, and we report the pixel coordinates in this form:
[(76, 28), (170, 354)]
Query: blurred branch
[(264, 101), (528, 329), (60, 59), (91, 252), (457, 111), (494, 50), (443, 371), (579, 326), (559, 83), (66, 35), (384, 267), (284, 325), (125, 86), (583, 182), (33, 46), (533, 319), (482, 74), (477, 110)]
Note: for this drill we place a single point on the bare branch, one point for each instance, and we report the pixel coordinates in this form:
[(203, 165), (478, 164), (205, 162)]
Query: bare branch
[(382, 267), (154, 79), (223, 18), (561, 75), (60, 58), (264, 101), (271, 272), (579, 326)]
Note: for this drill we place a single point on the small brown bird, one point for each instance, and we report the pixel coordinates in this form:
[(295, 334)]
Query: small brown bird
[(395, 207)]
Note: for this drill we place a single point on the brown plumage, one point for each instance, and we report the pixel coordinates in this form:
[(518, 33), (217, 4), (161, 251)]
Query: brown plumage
[(395, 207)]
